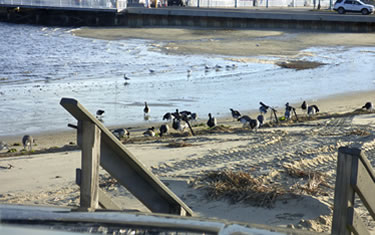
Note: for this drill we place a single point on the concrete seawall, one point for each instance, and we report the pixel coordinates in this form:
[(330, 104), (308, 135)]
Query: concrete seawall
[(195, 17)]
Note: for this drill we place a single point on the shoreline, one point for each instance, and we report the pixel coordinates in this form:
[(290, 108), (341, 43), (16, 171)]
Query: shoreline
[(333, 104)]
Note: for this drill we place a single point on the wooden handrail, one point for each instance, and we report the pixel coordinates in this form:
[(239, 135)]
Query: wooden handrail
[(354, 175), (124, 166)]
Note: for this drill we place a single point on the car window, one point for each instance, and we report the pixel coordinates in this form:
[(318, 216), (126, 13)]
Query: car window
[(338, 1), (348, 2)]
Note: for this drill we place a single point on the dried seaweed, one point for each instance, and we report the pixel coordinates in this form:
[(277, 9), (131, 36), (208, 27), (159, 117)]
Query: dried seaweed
[(179, 144), (315, 180), (216, 129), (299, 64), (239, 187)]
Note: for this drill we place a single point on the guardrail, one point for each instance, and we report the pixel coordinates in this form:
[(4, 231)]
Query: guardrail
[(95, 4), (100, 147), (258, 3), (355, 176)]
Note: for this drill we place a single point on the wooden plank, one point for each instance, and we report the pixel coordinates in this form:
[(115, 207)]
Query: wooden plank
[(355, 223), (344, 193), (106, 202), (150, 191), (364, 185), (91, 138), (368, 166), (128, 170)]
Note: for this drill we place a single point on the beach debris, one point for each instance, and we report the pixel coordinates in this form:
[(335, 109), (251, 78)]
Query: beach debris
[(239, 186), (314, 179), (299, 64), (27, 142), (216, 129), (179, 144), (358, 132)]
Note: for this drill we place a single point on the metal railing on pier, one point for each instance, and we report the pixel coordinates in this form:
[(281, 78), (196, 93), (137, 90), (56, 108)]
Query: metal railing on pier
[(74, 4), (257, 3)]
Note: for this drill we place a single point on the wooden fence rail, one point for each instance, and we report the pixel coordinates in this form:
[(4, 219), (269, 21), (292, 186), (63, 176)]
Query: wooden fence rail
[(99, 145), (354, 175)]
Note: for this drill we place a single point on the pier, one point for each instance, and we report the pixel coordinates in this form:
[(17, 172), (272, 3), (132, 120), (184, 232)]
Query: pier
[(134, 14)]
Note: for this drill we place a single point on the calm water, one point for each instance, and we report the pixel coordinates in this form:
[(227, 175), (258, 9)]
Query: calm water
[(41, 65)]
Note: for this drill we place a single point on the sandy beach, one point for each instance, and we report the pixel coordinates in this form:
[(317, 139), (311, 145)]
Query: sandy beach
[(182, 162), (294, 161)]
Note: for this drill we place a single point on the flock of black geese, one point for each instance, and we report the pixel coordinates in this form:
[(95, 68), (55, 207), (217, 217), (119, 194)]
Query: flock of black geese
[(181, 120)]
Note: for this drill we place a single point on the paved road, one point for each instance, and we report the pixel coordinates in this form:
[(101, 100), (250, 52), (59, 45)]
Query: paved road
[(294, 14), (273, 10)]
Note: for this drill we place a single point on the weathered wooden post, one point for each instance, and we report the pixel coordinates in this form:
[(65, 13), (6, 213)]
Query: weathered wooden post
[(354, 176), (89, 138), (344, 193)]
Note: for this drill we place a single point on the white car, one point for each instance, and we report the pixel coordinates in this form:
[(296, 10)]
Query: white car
[(342, 6)]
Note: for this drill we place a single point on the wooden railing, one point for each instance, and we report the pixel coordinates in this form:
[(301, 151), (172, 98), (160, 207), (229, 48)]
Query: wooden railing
[(354, 176), (100, 146)]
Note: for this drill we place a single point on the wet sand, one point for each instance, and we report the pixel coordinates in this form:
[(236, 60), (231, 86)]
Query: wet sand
[(232, 42)]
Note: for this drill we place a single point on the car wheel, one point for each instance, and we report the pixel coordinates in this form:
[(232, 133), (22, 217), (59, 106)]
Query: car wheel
[(365, 11), (341, 10)]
